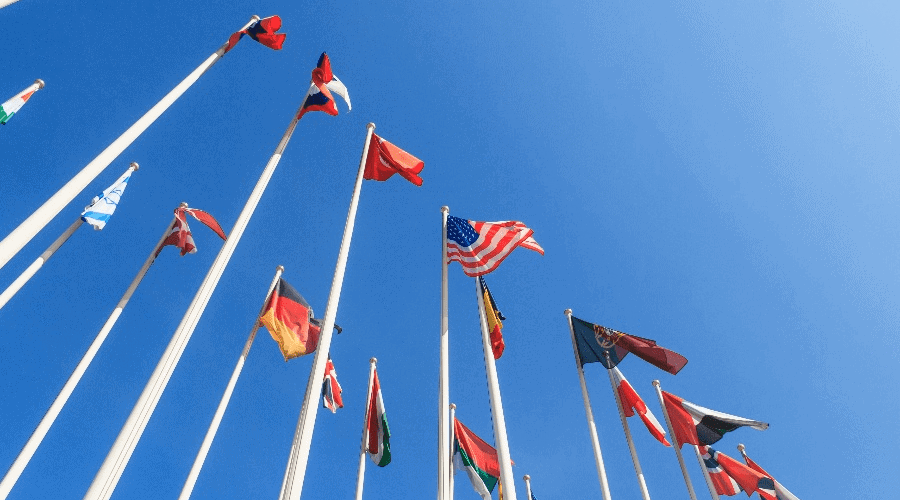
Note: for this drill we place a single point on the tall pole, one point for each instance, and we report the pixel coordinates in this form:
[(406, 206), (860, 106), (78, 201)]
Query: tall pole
[(527, 479), (452, 474), (226, 397), (4, 3), (21, 235), (675, 443), (500, 438), (108, 476), (592, 428), (361, 470), (634, 458), (709, 483), (444, 423), (296, 471), (15, 470), (26, 275)]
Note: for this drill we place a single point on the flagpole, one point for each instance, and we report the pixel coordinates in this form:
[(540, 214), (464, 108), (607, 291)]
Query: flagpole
[(451, 477), (709, 483), (361, 471), (500, 438), (108, 476), (675, 443), (226, 398), (15, 470), (592, 428), (26, 275), (444, 425), (292, 485), (634, 458), (4, 3), (527, 479), (20, 236)]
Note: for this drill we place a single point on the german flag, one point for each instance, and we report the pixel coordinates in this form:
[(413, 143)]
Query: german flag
[(289, 319)]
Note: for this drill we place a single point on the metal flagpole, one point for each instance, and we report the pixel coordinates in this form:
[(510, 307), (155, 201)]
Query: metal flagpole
[(490, 367), (296, 470), (15, 470), (26, 275), (527, 479), (4, 3), (592, 429), (361, 471), (226, 397), (675, 443), (21, 235), (108, 476), (634, 458), (451, 476), (444, 423), (709, 483)]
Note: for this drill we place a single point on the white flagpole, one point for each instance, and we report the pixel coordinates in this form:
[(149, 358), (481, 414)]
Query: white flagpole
[(4, 3), (15, 470), (226, 397), (684, 472), (108, 476), (592, 428), (634, 458), (361, 471), (527, 479), (292, 485), (451, 477), (444, 423), (21, 235), (709, 483), (26, 275), (500, 438)]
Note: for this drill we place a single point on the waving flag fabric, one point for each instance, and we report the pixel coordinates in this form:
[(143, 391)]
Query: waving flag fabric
[(595, 341), (13, 105), (384, 160), (288, 320), (378, 444), (181, 236), (477, 458), (263, 31), (730, 476), (104, 204), (695, 424), (324, 82), (494, 318), (331, 389), (633, 404), (779, 492), (480, 247)]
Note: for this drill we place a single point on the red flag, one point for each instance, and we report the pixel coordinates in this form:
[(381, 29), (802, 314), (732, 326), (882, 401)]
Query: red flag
[(263, 31), (695, 424), (181, 234), (331, 389), (385, 159), (633, 404)]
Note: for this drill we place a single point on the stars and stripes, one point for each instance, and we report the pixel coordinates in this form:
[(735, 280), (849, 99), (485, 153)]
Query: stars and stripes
[(480, 247)]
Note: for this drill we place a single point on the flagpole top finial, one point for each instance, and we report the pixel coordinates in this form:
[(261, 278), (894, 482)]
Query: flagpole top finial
[(135, 165), (741, 447), (370, 126), (655, 383), (452, 406), (280, 269), (183, 204), (373, 360), (527, 477), (567, 312), (40, 83), (254, 18), (445, 209)]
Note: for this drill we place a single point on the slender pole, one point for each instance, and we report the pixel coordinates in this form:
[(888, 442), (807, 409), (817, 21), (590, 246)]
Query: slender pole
[(361, 471), (226, 397), (452, 475), (709, 483), (675, 443), (634, 458), (500, 438), (292, 485), (108, 476), (20, 236), (15, 470), (527, 479), (444, 423), (4, 3), (592, 428)]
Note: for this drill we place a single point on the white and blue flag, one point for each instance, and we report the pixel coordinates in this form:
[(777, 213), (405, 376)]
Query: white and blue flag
[(104, 204)]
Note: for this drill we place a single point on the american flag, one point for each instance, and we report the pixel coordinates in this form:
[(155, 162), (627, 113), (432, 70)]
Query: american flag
[(481, 246), (331, 389)]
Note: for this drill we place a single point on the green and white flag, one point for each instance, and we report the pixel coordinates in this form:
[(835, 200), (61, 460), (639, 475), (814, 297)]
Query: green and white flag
[(378, 443), (477, 458), (13, 105)]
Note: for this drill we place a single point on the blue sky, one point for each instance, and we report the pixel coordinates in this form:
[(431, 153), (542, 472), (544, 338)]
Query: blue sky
[(714, 177)]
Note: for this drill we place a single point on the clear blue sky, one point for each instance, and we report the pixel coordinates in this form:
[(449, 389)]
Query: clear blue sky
[(719, 178)]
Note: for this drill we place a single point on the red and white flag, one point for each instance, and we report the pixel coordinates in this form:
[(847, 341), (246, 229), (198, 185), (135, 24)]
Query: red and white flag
[(181, 233), (729, 476), (384, 160), (480, 247), (632, 403), (331, 389)]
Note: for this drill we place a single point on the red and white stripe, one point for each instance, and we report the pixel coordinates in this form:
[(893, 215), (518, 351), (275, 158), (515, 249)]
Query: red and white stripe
[(496, 240), (632, 403)]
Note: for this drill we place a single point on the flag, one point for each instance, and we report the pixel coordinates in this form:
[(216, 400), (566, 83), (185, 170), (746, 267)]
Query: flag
[(595, 341), (779, 492), (13, 105), (288, 318), (477, 458), (729, 477), (331, 389), (481, 246), (263, 31), (695, 424), (384, 160), (104, 204), (494, 318), (181, 236), (632, 403), (324, 82), (378, 442)]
